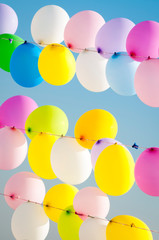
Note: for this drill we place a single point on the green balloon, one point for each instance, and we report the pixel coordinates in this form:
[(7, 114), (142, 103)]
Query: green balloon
[(8, 43)]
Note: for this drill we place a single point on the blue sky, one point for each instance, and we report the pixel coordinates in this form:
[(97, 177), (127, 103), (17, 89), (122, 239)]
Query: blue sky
[(136, 121)]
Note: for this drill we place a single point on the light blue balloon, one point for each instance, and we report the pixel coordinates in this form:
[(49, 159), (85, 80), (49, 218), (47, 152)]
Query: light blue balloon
[(120, 73), (24, 65)]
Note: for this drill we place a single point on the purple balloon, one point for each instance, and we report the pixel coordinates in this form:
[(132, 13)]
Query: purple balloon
[(8, 19), (112, 36)]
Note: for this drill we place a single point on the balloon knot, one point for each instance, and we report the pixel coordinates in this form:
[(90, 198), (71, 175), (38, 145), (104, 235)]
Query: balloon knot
[(25, 42), (12, 196), (132, 54), (29, 130), (61, 135), (152, 149), (99, 141), (69, 45), (12, 128), (10, 40), (132, 225), (99, 50), (82, 138), (148, 57), (135, 146)]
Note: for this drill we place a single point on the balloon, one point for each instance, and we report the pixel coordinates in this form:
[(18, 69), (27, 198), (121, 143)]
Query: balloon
[(24, 65), (57, 199), (147, 171), (91, 201), (8, 43), (39, 153), (29, 221), (146, 82), (69, 224), (81, 30), (112, 36), (56, 64), (128, 229), (142, 41), (72, 165), (114, 170), (24, 186), (93, 229), (13, 148), (89, 66), (48, 25), (15, 110), (55, 121), (8, 19), (120, 72), (94, 125)]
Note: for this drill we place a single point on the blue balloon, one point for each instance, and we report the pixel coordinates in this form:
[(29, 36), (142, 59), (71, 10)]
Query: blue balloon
[(120, 73), (24, 65)]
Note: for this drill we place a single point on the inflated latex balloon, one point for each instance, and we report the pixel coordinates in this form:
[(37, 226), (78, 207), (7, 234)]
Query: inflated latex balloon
[(13, 148), (112, 36), (56, 64), (90, 70), (94, 125), (55, 121), (39, 153), (81, 30), (24, 65), (70, 162), (15, 111), (8, 43), (48, 25), (91, 201), (116, 163), (29, 221), (128, 229), (58, 198), (120, 72), (24, 186), (93, 229), (8, 19), (142, 41), (69, 224), (147, 171), (146, 82)]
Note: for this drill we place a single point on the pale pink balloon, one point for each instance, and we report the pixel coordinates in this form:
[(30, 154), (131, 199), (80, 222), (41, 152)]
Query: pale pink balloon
[(143, 41), (15, 110), (24, 186), (147, 171), (91, 201), (13, 148), (81, 30), (147, 82)]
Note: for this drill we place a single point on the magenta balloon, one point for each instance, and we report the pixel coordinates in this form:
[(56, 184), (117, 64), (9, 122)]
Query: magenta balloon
[(147, 171), (13, 148), (143, 41), (112, 36), (91, 201), (147, 82), (24, 186), (15, 110), (81, 30), (8, 19)]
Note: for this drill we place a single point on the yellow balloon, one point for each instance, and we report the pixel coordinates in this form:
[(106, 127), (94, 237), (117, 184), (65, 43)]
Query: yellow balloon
[(94, 125), (128, 229), (57, 199), (56, 64), (114, 170), (39, 153), (69, 224)]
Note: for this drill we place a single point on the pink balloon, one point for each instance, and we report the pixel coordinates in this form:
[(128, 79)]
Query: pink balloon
[(143, 41), (81, 30), (13, 148), (15, 110), (112, 36), (24, 186), (147, 82), (91, 201), (147, 171)]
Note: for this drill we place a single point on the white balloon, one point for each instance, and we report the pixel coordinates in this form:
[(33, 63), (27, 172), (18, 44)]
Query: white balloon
[(30, 222), (70, 162), (90, 70), (48, 25), (93, 229)]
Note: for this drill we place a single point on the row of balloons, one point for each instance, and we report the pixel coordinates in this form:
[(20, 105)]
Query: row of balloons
[(120, 40)]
